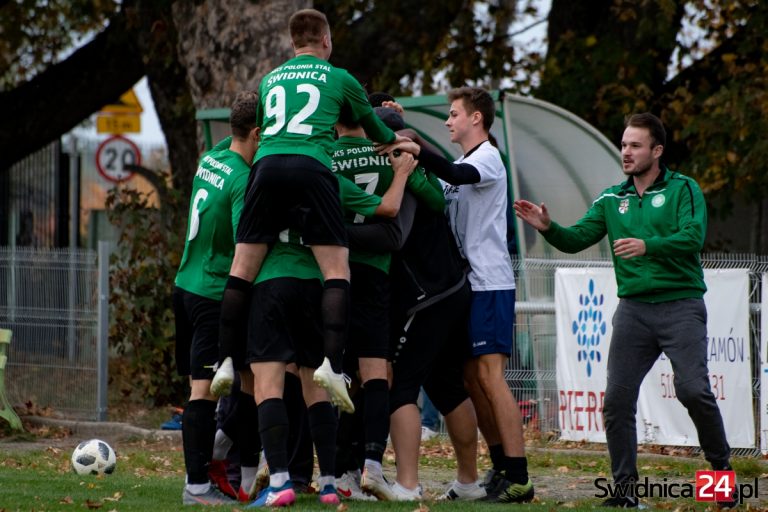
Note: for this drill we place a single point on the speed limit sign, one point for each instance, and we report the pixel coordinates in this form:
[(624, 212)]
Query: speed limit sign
[(113, 155)]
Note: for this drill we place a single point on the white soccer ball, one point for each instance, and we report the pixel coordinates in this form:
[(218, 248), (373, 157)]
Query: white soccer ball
[(94, 457)]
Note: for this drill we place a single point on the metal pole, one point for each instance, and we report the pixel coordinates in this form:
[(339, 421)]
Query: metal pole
[(74, 226), (102, 343)]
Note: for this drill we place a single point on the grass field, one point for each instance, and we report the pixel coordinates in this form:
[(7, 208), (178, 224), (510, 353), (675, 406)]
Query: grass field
[(149, 477)]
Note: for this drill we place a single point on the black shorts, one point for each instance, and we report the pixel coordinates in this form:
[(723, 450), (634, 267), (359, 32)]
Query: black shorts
[(430, 350), (284, 323), (369, 312), (292, 192), (197, 334)]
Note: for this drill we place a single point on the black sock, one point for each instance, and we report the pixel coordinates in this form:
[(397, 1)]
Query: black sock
[(345, 432), (248, 438), (198, 430), (516, 469), (234, 311), (301, 456), (496, 452), (376, 418), (323, 423), (273, 428), (335, 313)]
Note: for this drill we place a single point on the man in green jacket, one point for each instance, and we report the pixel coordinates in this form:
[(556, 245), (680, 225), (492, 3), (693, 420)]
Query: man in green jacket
[(656, 222)]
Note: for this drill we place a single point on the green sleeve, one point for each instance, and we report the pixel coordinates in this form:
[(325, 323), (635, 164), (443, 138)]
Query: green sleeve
[(237, 197), (223, 144), (692, 222), (426, 189), (355, 199), (589, 230), (375, 128)]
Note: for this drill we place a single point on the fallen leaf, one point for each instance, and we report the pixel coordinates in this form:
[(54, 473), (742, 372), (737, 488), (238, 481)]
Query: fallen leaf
[(92, 505), (67, 500), (563, 469), (342, 507), (115, 497)]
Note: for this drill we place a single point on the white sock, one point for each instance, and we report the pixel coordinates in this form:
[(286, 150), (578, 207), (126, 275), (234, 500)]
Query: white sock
[(198, 489), (221, 445), (458, 486), (278, 479), (247, 477)]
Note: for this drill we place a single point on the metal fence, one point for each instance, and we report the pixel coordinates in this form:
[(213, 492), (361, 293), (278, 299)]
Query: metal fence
[(531, 369), (54, 301)]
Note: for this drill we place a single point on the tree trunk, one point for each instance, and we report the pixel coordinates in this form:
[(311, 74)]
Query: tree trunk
[(167, 79), (227, 46)]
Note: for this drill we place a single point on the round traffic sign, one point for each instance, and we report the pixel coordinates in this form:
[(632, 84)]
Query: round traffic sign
[(113, 155)]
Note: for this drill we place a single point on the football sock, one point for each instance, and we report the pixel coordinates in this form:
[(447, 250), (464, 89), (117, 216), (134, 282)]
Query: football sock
[(334, 307), (496, 452), (273, 428), (197, 433), (376, 416), (322, 424), (516, 470), (234, 304)]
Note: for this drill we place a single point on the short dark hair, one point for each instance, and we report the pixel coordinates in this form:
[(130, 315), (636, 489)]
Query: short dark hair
[(651, 123), (242, 116), (377, 98), (476, 99), (390, 117), (307, 27)]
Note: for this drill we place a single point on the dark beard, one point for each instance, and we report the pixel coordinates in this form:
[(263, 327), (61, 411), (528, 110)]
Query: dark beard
[(639, 171)]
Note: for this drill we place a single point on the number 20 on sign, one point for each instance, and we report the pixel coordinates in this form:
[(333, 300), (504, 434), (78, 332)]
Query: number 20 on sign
[(114, 155)]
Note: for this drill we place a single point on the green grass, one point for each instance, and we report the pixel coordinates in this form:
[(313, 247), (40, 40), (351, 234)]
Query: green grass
[(150, 477)]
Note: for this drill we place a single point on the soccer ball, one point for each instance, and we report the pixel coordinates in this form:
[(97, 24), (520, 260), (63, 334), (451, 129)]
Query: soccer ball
[(94, 457)]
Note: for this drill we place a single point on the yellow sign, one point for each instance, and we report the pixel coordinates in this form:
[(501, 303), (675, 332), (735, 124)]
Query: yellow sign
[(119, 123), (127, 104)]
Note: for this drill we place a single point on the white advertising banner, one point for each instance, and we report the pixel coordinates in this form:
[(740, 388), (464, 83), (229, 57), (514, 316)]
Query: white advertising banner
[(585, 300), (764, 367)]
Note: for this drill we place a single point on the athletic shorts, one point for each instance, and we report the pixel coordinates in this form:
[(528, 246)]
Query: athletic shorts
[(369, 312), (197, 334), (492, 322), (430, 349), (284, 322), (293, 192)]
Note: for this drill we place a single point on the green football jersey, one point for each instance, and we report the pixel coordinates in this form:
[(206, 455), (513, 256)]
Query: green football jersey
[(301, 101), (356, 159), (214, 211), (290, 258)]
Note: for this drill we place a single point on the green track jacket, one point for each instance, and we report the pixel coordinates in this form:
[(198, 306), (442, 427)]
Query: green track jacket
[(671, 217)]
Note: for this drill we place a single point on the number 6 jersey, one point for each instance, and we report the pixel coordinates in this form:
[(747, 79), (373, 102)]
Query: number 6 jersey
[(214, 211)]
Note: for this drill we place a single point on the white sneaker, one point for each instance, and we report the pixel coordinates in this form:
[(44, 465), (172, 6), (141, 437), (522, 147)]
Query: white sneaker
[(375, 484), (427, 433), (221, 385), (464, 492), (336, 385), (404, 494), (348, 486)]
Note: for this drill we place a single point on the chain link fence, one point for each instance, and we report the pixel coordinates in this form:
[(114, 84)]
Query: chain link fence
[(50, 299)]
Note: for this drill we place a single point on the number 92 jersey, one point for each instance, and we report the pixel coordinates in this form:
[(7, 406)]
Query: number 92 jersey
[(301, 101), (214, 212)]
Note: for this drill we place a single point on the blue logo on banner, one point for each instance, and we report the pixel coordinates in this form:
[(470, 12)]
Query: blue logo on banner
[(589, 327)]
